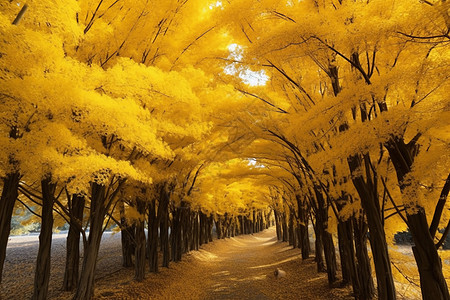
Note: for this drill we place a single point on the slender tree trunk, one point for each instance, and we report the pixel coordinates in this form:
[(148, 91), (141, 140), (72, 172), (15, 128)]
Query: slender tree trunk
[(218, 228), (7, 200), (368, 193), (278, 225), (164, 228), (175, 233), (202, 231), (327, 239), (233, 227), (432, 280), (210, 222), (195, 231), (127, 237), (253, 222), (153, 224), (304, 243), (360, 277), (369, 201), (261, 222), (344, 253), (241, 225), (291, 229), (330, 256), (139, 265), (73, 244), (98, 210), (319, 249), (285, 227), (187, 229), (303, 229), (367, 289), (42, 273)]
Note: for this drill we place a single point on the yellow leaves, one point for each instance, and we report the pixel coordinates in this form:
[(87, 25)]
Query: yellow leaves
[(24, 51), (56, 17), (223, 188)]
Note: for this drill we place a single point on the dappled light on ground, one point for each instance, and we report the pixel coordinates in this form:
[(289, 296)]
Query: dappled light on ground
[(236, 268)]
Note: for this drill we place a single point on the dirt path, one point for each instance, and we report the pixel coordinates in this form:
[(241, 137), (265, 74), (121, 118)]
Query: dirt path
[(235, 268)]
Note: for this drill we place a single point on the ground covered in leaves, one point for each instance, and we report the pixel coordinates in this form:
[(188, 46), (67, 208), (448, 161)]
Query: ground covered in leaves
[(235, 268)]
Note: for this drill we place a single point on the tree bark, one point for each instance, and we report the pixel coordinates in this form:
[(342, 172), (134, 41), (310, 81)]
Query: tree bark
[(327, 239), (285, 227), (7, 200), (127, 237), (304, 235), (367, 289), (210, 222), (139, 264), (344, 253), (195, 231), (291, 229), (42, 273), (278, 225), (73, 244), (98, 210), (164, 227), (153, 224), (432, 280), (368, 194), (319, 249)]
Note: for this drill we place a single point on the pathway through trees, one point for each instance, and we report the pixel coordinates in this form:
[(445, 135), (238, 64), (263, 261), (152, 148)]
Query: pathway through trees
[(237, 268)]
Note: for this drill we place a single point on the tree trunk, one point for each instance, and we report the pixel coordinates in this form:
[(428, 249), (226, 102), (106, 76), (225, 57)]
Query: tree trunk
[(7, 200), (327, 239), (278, 225), (73, 244), (210, 228), (153, 224), (127, 237), (218, 228), (344, 253), (432, 280), (285, 227), (291, 229), (187, 228), (164, 227), (367, 289), (202, 231), (369, 201), (319, 250), (195, 231), (139, 264), (98, 210), (304, 236), (330, 256), (42, 273), (178, 233)]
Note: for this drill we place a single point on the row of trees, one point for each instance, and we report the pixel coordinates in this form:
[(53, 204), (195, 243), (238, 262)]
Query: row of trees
[(136, 113), (356, 128), (105, 120)]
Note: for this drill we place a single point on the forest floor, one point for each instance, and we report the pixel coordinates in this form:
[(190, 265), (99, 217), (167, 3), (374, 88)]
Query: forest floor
[(235, 268)]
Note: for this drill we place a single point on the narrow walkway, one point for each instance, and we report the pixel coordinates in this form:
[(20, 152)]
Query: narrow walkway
[(236, 268)]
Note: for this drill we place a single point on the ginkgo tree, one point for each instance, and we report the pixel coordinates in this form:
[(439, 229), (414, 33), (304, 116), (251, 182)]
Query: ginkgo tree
[(139, 112), (371, 85)]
